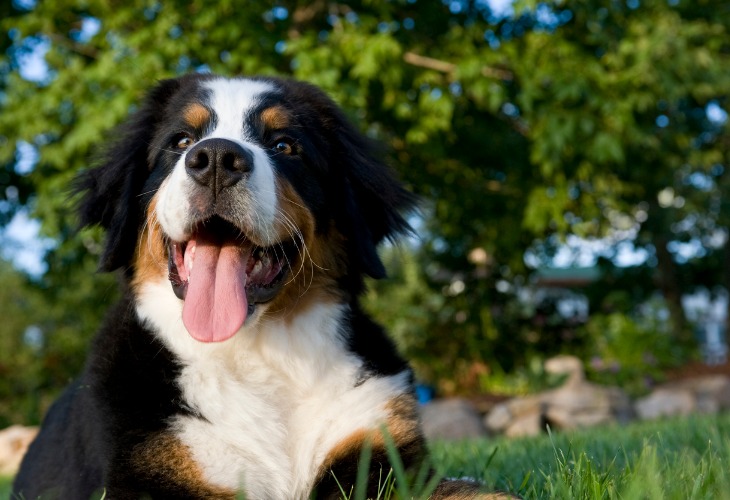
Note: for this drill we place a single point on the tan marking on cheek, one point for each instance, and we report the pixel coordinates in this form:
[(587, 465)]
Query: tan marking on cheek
[(196, 115), (165, 460), (150, 257), (319, 261), (275, 118)]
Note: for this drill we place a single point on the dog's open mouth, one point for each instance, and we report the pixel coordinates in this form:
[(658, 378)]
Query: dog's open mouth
[(221, 276)]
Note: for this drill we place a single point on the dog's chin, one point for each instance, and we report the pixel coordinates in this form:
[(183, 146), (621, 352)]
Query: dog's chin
[(221, 275)]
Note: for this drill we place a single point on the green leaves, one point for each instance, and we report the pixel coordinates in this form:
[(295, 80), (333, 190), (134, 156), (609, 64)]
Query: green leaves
[(566, 118)]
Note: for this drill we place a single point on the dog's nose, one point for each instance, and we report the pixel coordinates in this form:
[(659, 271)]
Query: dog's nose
[(218, 163)]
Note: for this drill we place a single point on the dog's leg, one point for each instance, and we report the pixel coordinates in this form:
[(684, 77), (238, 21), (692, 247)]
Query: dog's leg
[(461, 489)]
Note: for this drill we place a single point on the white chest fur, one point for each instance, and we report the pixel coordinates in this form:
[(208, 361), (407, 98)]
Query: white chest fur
[(275, 398)]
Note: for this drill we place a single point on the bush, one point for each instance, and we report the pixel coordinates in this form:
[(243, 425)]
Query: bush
[(629, 352)]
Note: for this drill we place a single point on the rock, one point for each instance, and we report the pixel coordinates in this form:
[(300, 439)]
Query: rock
[(527, 405), (577, 403), (14, 443), (665, 402), (453, 418), (498, 418), (530, 424), (504, 415), (712, 392), (565, 418), (566, 365), (484, 403), (705, 394), (585, 405)]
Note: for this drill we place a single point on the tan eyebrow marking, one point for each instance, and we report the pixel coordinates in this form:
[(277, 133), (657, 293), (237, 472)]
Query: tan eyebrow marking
[(275, 117), (196, 115)]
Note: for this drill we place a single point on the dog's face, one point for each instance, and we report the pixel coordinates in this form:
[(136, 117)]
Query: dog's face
[(245, 194)]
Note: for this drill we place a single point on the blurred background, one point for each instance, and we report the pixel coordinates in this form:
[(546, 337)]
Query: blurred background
[(571, 157)]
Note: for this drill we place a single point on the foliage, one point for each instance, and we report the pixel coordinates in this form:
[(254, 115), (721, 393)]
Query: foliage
[(17, 363), (629, 352), (594, 118), (44, 339)]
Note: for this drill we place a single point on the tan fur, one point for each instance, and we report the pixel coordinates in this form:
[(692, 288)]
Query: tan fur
[(402, 425), (196, 115), (351, 446), (317, 265), (403, 422), (404, 429), (150, 257), (165, 457), (275, 118), (466, 490)]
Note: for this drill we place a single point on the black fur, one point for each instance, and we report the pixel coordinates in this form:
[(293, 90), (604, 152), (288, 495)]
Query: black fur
[(111, 191), (127, 391)]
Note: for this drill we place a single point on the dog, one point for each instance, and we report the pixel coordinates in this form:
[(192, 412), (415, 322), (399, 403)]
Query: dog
[(242, 215)]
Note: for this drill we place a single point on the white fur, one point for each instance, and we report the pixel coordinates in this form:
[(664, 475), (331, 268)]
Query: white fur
[(255, 205), (275, 398)]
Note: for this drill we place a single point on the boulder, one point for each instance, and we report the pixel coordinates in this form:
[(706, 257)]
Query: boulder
[(505, 415), (498, 418), (566, 365), (530, 424), (712, 392), (14, 443), (665, 402), (452, 418), (577, 403)]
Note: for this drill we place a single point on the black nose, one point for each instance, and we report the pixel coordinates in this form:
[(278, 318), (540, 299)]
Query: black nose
[(218, 163)]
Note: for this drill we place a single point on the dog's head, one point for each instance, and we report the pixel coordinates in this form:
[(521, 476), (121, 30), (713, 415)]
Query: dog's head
[(242, 193)]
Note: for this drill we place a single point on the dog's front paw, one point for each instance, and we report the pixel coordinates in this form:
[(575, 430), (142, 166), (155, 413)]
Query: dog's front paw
[(465, 489)]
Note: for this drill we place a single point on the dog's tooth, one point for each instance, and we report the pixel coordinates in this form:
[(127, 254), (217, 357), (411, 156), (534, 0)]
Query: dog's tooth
[(257, 267), (191, 260)]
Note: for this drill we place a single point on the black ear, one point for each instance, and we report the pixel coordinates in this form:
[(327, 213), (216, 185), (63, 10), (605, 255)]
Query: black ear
[(375, 200), (110, 190)]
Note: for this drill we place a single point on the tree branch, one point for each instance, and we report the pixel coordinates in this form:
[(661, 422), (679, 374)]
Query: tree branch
[(83, 50), (446, 67)]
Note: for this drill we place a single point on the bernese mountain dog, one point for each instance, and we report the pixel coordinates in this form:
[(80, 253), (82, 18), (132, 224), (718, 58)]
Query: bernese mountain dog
[(243, 214)]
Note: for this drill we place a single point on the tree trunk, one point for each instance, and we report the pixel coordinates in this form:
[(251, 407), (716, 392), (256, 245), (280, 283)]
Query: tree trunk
[(667, 280), (726, 284)]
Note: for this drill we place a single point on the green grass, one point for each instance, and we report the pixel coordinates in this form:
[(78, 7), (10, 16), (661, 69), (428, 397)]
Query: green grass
[(686, 458), (5, 483)]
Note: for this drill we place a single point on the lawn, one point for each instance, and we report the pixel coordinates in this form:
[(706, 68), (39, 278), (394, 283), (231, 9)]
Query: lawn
[(686, 458), (679, 458)]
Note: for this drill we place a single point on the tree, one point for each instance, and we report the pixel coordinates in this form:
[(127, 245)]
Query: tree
[(618, 122), (581, 117)]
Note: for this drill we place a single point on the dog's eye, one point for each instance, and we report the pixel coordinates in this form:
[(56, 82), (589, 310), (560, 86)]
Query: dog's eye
[(283, 147), (183, 142)]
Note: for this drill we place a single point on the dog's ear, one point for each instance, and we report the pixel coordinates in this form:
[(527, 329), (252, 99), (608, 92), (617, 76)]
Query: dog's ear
[(375, 200), (110, 191)]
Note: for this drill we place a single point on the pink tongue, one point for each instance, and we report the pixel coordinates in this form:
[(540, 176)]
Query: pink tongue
[(215, 304)]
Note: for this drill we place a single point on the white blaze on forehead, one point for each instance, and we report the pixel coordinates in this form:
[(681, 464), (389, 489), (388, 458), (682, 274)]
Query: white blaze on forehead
[(231, 100), (253, 203)]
